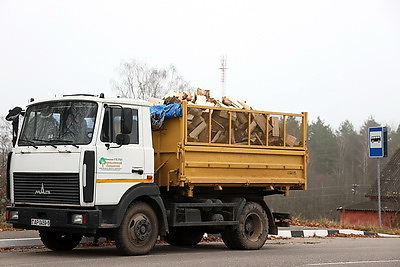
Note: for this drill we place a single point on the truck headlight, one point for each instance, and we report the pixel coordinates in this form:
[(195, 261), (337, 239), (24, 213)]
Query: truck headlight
[(13, 215), (78, 219)]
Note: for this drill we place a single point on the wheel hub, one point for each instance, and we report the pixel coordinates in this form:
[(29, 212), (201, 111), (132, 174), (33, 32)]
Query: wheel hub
[(253, 227), (142, 229), (249, 227)]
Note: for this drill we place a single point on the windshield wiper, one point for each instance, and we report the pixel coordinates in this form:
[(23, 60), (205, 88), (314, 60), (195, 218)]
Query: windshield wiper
[(29, 142), (62, 141), (46, 141)]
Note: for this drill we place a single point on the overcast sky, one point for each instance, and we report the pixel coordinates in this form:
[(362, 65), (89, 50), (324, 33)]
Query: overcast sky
[(334, 59)]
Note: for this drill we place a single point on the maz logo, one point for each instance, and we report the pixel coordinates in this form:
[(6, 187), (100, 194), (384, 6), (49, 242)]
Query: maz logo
[(42, 191)]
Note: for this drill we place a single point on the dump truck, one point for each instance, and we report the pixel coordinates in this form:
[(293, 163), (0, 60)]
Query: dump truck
[(93, 166)]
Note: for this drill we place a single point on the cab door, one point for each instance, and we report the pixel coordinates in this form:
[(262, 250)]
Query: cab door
[(119, 167)]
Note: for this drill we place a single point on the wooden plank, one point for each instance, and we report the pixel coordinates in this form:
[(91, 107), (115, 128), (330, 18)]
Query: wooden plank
[(219, 125), (172, 99), (185, 96), (190, 117), (241, 137), (170, 93), (291, 140), (195, 111), (241, 116), (261, 121), (234, 103), (197, 131), (201, 100), (202, 92), (214, 102), (274, 121), (203, 136), (216, 137), (226, 101), (223, 114), (244, 105), (253, 125), (275, 141), (155, 101), (233, 138), (223, 138), (241, 127), (196, 120), (259, 139), (234, 115)]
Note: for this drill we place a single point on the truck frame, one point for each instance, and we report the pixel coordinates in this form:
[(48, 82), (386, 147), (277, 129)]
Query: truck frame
[(205, 171)]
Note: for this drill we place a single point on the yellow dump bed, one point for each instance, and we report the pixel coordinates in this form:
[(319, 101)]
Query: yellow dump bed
[(223, 147)]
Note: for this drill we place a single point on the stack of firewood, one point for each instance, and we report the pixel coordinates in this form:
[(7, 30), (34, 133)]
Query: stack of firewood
[(242, 132)]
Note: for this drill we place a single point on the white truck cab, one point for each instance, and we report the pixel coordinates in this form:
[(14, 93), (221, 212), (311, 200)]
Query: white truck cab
[(74, 140), (77, 164)]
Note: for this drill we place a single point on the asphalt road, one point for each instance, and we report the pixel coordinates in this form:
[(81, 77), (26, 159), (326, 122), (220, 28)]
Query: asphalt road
[(280, 252)]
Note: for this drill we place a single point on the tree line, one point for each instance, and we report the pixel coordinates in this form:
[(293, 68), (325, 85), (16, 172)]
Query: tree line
[(340, 171)]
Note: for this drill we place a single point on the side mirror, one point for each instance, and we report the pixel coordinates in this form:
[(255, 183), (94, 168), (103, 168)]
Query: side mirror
[(13, 116), (122, 139), (126, 121)]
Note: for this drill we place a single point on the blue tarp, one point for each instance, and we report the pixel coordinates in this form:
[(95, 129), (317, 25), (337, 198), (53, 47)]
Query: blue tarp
[(159, 113)]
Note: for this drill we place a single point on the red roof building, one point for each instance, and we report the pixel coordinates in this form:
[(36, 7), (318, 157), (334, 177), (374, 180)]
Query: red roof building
[(366, 213)]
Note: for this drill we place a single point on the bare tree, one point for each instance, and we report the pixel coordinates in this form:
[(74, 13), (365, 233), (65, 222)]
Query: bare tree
[(138, 80), (176, 82), (5, 142), (5, 147)]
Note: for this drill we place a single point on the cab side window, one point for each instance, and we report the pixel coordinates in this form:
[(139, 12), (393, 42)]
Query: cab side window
[(112, 126)]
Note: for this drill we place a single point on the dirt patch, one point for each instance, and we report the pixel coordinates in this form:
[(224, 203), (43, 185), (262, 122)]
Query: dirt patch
[(353, 235)]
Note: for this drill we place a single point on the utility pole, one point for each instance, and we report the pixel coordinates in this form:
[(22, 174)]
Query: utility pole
[(223, 69)]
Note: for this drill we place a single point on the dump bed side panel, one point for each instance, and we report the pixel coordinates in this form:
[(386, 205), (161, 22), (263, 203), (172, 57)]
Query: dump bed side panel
[(243, 167), (167, 144), (210, 146)]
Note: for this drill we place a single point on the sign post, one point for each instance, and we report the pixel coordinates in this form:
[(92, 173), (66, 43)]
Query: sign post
[(377, 138)]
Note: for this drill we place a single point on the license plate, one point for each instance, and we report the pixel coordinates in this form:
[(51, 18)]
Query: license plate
[(40, 222)]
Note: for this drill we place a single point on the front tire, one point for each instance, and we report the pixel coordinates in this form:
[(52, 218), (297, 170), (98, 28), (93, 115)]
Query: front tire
[(59, 241), (252, 231), (138, 232)]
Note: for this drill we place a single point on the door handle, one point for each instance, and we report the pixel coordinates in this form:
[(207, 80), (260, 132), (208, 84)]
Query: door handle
[(139, 171)]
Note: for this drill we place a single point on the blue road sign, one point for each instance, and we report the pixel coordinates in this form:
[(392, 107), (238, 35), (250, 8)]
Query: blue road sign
[(377, 138)]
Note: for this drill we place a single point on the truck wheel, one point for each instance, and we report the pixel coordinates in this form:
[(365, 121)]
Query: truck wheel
[(184, 236), (58, 241), (252, 231), (138, 231)]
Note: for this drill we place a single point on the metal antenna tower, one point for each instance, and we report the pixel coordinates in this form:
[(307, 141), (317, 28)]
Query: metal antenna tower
[(223, 69)]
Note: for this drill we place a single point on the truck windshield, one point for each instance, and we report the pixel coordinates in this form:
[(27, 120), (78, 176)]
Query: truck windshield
[(57, 123)]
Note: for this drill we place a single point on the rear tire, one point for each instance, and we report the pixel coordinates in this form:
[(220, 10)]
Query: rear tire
[(252, 231), (184, 236), (59, 241), (138, 232)]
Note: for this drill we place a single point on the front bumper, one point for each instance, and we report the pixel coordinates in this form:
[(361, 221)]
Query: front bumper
[(60, 219)]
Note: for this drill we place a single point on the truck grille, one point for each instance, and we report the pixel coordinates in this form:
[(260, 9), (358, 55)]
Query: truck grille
[(49, 188)]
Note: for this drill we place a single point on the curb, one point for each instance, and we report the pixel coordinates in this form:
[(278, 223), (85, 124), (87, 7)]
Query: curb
[(325, 233), (28, 242), (20, 242)]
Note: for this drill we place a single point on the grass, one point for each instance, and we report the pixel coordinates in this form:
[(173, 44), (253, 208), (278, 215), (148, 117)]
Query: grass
[(326, 223), (5, 226)]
